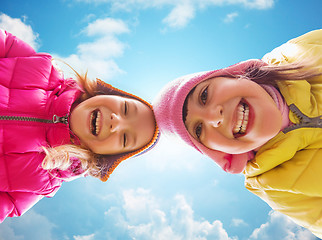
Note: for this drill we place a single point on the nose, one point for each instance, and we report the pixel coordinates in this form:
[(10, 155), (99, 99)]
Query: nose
[(214, 116), (116, 123), (119, 123)]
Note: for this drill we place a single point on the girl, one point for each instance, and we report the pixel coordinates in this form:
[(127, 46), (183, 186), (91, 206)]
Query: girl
[(55, 129), (262, 118)]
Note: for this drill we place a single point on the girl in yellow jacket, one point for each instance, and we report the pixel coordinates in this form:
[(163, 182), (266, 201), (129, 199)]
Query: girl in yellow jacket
[(262, 118)]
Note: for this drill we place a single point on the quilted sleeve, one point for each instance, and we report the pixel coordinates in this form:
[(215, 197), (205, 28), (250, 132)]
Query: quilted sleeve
[(303, 209), (11, 46), (307, 47), (294, 187), (303, 47), (15, 204)]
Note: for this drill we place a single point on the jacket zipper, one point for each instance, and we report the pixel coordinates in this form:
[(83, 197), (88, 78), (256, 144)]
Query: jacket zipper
[(55, 119), (304, 121)]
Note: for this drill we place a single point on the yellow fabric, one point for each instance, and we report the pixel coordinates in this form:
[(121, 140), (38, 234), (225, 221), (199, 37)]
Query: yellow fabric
[(287, 171)]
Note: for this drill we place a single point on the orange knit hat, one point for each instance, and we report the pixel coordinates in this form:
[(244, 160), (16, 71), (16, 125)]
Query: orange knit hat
[(109, 162)]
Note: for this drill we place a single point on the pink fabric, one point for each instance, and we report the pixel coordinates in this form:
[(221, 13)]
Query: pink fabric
[(168, 111), (10, 46), (30, 86)]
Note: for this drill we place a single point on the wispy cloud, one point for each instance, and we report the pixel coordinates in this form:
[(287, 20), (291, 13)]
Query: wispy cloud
[(180, 16), (29, 226), (107, 26), (98, 56), (230, 17), (280, 227), (144, 216), (182, 12), (19, 28), (236, 222), (257, 4), (87, 237)]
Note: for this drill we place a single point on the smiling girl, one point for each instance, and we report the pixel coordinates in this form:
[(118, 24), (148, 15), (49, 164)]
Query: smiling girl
[(262, 118), (122, 124), (55, 129)]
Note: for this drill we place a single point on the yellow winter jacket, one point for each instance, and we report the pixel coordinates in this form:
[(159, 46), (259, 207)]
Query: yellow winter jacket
[(287, 171)]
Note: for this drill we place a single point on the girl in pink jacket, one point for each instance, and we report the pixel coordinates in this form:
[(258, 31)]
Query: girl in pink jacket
[(54, 129)]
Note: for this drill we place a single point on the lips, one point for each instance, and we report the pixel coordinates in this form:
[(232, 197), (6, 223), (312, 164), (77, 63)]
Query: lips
[(95, 122), (242, 119)]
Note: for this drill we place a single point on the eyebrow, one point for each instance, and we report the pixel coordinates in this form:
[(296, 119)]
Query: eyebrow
[(131, 144), (134, 140), (135, 107), (194, 97), (185, 105), (189, 125)]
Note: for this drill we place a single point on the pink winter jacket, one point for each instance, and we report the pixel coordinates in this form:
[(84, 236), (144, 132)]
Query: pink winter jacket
[(30, 87)]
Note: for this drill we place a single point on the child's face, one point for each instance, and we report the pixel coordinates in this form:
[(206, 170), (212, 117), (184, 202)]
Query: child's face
[(109, 124), (232, 115)]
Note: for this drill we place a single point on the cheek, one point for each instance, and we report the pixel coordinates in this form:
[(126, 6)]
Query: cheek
[(219, 141), (272, 121), (76, 123), (79, 113), (268, 122), (213, 139), (106, 146)]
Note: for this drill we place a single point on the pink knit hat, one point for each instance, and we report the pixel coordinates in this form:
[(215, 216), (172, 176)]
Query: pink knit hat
[(168, 112)]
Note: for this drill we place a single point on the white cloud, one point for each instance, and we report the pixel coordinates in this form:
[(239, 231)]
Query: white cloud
[(254, 4), (143, 4), (107, 26), (144, 216), (103, 48), (183, 11), (97, 56), (20, 29), (87, 237), (139, 205), (182, 216), (236, 222), (230, 17), (180, 16), (88, 18), (29, 226), (129, 5), (101, 68), (280, 227), (257, 4)]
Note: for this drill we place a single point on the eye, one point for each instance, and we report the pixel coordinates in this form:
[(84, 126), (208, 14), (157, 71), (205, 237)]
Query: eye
[(198, 130), (204, 95), (124, 140), (126, 108)]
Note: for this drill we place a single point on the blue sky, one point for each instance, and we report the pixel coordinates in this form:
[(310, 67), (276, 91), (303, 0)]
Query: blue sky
[(171, 192)]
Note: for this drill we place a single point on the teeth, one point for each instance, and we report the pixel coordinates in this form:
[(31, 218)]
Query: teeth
[(98, 122), (242, 119), (95, 122), (90, 123)]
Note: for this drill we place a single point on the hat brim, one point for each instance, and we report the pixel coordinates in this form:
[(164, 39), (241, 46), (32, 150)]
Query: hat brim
[(110, 162)]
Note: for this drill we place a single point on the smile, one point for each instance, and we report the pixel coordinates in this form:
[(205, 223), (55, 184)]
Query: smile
[(242, 119), (95, 122)]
